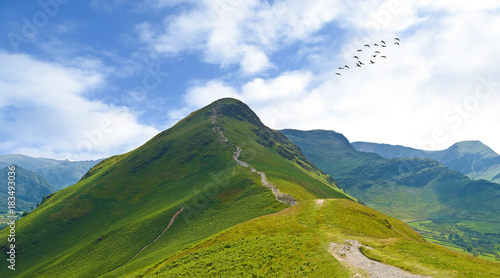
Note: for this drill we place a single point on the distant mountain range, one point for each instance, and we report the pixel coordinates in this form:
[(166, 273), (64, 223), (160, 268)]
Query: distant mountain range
[(219, 194), (59, 173), (408, 188), (472, 158), (30, 188)]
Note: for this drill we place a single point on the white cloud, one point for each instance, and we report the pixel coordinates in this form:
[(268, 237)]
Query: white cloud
[(243, 32), (424, 95), (45, 111)]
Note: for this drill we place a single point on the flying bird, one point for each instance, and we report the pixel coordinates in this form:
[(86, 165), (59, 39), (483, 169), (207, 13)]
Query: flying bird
[(346, 66), (377, 52), (375, 44), (396, 43), (374, 55), (341, 68), (384, 45), (371, 62), (397, 39), (338, 73), (358, 65), (359, 50), (355, 57), (367, 45), (382, 42), (361, 63), (383, 56)]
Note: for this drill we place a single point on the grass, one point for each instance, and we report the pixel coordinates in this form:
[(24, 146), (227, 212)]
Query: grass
[(478, 238), (294, 243), (121, 204)]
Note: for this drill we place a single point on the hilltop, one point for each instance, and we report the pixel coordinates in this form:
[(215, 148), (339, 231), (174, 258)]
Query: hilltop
[(127, 203)]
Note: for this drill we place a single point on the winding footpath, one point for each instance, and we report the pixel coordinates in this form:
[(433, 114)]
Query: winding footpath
[(350, 255), (280, 196)]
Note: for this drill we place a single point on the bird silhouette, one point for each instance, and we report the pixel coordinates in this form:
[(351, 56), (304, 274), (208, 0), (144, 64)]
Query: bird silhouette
[(374, 55), (367, 45), (358, 65), (371, 62), (346, 66), (382, 42), (355, 57), (375, 44), (377, 52), (383, 56), (359, 50), (384, 45), (396, 43), (397, 39), (338, 73), (341, 68), (361, 63)]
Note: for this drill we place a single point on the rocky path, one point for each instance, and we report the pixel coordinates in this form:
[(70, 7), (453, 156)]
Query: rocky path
[(282, 197), (349, 254)]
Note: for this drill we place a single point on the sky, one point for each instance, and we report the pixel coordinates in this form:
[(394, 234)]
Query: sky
[(84, 80)]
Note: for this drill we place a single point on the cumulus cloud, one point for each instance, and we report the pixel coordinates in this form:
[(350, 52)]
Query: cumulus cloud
[(46, 111), (242, 32), (440, 86)]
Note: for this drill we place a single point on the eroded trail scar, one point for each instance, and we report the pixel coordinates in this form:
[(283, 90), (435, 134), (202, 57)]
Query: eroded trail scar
[(282, 197), (164, 230)]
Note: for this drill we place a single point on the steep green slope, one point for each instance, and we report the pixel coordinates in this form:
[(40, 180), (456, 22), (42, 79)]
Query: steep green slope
[(471, 158), (408, 188), (295, 242), (59, 173), (123, 203), (30, 188)]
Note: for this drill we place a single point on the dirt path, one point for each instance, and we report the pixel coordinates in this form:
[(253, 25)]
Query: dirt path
[(349, 254), (282, 197)]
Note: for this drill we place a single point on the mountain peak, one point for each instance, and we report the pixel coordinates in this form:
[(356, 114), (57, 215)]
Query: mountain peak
[(234, 108), (476, 147)]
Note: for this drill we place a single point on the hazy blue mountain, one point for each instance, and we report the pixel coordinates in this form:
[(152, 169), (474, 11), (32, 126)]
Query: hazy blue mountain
[(472, 158), (30, 188), (59, 173)]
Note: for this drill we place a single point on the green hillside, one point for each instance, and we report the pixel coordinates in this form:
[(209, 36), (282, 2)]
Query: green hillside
[(471, 158), (125, 202), (439, 202), (295, 242), (407, 188), (30, 189)]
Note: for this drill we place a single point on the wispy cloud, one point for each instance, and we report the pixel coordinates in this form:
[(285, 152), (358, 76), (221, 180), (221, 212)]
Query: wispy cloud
[(45, 110), (242, 32), (425, 94)]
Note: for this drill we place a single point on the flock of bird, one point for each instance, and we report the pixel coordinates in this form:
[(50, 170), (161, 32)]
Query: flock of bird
[(375, 54)]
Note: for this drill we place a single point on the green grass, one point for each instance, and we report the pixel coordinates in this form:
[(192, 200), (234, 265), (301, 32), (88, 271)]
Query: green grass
[(478, 238), (294, 243), (124, 202)]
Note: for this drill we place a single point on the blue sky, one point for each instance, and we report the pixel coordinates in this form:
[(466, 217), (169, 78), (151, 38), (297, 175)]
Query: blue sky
[(90, 79)]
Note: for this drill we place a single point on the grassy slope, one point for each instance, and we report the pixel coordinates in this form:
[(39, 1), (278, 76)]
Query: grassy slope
[(125, 201), (294, 243), (408, 188)]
